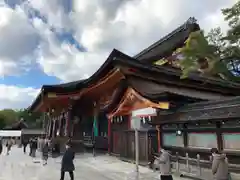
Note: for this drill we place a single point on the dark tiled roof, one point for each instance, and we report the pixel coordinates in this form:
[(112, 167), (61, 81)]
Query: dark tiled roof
[(165, 46), (17, 126)]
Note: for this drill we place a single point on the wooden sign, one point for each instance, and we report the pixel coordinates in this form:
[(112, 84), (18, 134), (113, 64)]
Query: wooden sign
[(144, 112), (51, 95)]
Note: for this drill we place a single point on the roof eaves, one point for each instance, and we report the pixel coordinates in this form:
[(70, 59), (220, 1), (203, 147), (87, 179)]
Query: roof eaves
[(177, 72), (191, 21), (75, 85)]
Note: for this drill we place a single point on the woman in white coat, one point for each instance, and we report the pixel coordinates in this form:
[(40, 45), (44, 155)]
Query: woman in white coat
[(165, 165)]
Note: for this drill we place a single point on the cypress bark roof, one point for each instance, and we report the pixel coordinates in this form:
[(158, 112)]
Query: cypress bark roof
[(169, 43)]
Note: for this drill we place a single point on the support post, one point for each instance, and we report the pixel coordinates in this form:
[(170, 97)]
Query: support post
[(54, 128), (67, 123), (109, 135), (95, 121), (43, 125), (158, 138), (51, 128), (137, 153), (136, 124)]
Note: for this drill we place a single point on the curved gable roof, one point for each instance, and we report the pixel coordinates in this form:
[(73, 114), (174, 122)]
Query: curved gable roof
[(169, 43)]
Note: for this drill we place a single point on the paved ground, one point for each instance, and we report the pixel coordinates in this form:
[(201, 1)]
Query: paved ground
[(22, 167)]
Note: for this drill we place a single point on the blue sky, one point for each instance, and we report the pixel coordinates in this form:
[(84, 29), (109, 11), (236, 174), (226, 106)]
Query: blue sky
[(55, 41), (36, 77)]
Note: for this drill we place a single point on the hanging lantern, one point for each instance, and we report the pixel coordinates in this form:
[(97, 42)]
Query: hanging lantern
[(143, 120)]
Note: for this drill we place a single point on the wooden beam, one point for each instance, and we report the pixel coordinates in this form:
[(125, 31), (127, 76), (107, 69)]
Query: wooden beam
[(139, 102), (115, 76)]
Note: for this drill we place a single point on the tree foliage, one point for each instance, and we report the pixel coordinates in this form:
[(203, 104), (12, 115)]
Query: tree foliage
[(2, 121), (9, 116), (215, 54)]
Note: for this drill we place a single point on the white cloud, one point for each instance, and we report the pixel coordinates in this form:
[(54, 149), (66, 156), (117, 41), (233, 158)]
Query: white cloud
[(128, 25), (98, 25), (16, 97), (18, 41)]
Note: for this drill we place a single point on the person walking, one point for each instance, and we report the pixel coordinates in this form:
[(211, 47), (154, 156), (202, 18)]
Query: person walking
[(165, 165), (34, 147), (67, 162), (1, 146), (219, 165), (30, 146), (152, 160), (45, 151), (9, 146), (24, 143)]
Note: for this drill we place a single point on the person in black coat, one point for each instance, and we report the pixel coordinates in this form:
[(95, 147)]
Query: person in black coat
[(24, 143), (30, 146), (67, 162), (34, 147), (1, 146)]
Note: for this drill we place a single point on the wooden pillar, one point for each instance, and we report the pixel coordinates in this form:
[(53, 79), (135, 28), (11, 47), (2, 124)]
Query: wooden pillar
[(219, 136), (54, 128), (129, 121), (95, 121), (47, 126), (67, 123), (44, 127), (109, 134), (59, 124), (70, 120), (51, 128), (158, 137)]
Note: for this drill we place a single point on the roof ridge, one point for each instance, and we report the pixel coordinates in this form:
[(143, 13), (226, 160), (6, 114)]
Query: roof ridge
[(190, 21)]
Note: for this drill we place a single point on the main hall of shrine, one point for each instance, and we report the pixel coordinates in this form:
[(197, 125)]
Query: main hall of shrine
[(101, 106)]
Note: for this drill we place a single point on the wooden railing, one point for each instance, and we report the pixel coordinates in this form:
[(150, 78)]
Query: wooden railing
[(197, 168)]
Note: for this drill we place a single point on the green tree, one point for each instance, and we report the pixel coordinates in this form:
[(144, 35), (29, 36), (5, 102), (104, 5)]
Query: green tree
[(9, 115), (2, 122), (232, 15), (215, 54), (32, 119)]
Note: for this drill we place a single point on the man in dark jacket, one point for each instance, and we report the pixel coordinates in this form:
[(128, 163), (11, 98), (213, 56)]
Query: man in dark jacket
[(1, 146), (67, 162), (30, 146), (34, 147), (24, 143)]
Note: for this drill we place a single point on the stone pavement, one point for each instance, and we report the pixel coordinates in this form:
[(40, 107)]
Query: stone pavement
[(104, 167)]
